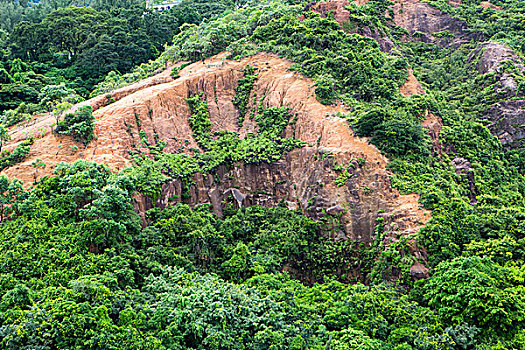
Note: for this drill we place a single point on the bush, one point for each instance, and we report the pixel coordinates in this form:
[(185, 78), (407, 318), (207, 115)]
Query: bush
[(79, 125), (478, 292), (8, 159), (243, 91), (402, 138)]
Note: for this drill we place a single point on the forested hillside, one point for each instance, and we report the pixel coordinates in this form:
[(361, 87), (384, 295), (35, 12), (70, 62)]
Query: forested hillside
[(262, 175)]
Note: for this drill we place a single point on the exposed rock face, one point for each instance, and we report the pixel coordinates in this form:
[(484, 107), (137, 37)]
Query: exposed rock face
[(335, 7), (338, 9), (487, 4), (421, 20), (434, 124), (412, 86), (508, 122), (419, 271), (463, 167), (303, 179), (507, 117), (490, 55)]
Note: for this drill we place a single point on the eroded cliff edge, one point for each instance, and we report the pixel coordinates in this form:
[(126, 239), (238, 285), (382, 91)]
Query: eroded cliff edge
[(304, 179)]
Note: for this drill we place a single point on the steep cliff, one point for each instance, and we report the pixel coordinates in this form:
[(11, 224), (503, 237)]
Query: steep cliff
[(425, 23), (304, 179), (338, 174), (421, 22), (507, 114), (337, 9)]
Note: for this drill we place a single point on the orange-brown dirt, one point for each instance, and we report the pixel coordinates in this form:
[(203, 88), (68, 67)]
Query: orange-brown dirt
[(337, 7), (488, 4), (412, 86), (432, 123), (303, 178), (412, 15)]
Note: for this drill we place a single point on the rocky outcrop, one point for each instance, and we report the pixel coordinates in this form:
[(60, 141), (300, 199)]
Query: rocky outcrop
[(303, 179), (419, 271), (508, 122), (412, 86), (462, 167), (337, 8), (507, 117), (488, 4), (422, 21), (432, 122), (490, 55), (489, 58)]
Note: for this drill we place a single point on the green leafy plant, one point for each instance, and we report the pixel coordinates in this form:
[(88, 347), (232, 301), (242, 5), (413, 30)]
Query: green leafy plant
[(79, 125), (243, 91)]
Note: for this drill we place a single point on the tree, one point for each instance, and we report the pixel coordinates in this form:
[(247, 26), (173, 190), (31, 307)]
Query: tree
[(68, 28), (53, 95), (79, 125), (11, 192), (479, 292), (12, 95), (402, 138), (38, 164), (4, 136), (59, 110), (350, 339), (240, 266), (10, 14), (5, 77)]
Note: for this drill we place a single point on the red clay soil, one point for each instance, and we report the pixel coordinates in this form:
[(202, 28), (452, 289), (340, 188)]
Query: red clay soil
[(431, 122), (487, 4), (160, 103), (411, 86)]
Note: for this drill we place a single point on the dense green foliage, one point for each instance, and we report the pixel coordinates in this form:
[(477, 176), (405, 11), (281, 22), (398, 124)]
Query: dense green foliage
[(79, 269), (243, 91), (352, 63), (97, 279), (79, 124), (478, 292), (504, 24), (340, 63), (8, 159), (56, 42)]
